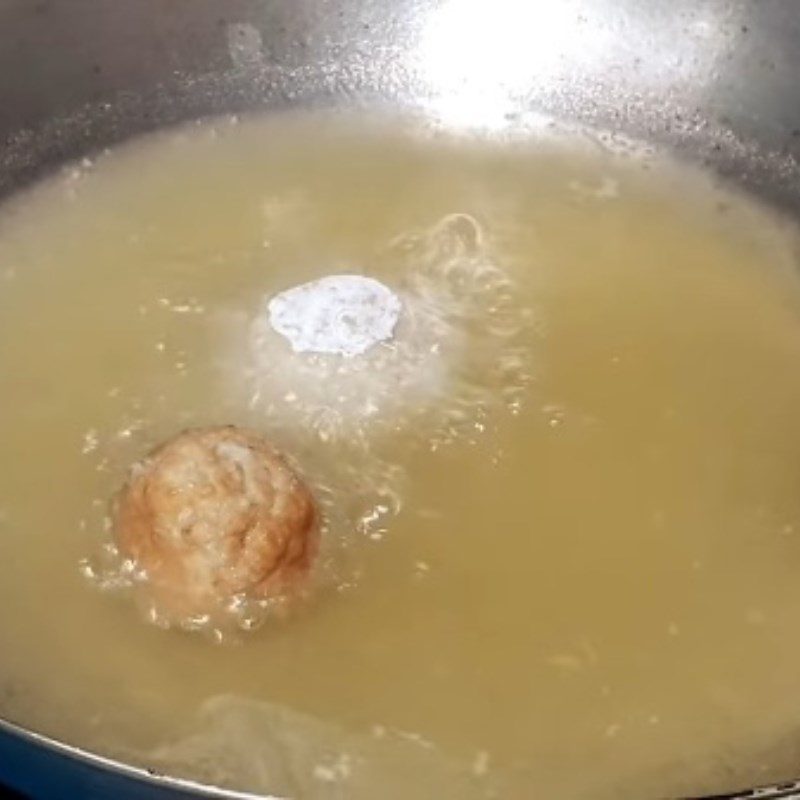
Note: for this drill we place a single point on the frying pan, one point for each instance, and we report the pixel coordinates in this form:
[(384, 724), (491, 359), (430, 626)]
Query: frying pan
[(715, 81)]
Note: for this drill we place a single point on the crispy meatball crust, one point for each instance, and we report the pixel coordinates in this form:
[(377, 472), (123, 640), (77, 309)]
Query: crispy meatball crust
[(213, 514)]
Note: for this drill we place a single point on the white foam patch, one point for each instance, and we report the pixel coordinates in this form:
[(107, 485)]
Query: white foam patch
[(455, 355), (340, 314)]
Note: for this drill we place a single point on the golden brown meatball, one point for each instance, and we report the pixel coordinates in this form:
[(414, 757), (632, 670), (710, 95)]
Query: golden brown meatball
[(212, 514)]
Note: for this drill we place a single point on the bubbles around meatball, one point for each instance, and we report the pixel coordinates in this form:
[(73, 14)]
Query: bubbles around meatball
[(212, 519)]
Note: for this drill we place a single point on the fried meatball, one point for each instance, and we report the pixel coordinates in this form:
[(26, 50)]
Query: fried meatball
[(211, 515)]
